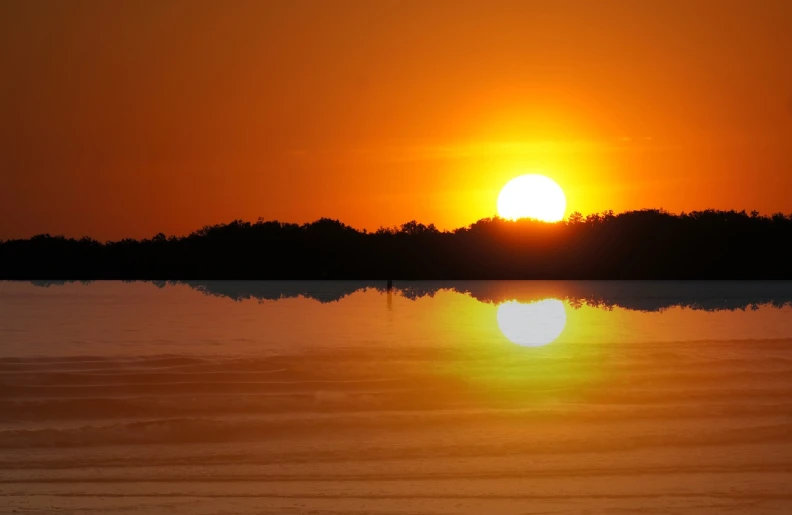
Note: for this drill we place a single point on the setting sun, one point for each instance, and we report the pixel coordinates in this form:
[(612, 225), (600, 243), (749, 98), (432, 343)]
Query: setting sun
[(532, 196)]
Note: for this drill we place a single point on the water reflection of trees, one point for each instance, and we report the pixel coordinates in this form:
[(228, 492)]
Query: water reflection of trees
[(647, 296)]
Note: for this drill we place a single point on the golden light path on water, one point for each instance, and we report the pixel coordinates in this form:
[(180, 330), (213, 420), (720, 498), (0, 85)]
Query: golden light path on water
[(533, 324), (520, 351)]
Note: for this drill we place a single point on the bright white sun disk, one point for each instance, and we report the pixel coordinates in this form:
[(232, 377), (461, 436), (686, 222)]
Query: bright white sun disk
[(532, 196)]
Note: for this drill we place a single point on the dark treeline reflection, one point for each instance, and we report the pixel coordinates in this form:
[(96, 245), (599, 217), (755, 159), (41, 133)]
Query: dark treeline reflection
[(648, 244), (632, 295)]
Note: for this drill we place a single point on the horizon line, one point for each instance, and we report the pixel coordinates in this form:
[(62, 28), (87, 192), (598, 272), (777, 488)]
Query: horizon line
[(753, 214)]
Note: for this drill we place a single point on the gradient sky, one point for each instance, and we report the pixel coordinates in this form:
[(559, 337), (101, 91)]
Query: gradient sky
[(127, 118)]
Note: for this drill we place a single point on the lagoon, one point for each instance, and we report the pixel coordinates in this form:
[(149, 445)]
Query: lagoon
[(434, 397)]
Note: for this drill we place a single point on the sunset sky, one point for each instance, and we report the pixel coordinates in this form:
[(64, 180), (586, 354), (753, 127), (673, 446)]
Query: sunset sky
[(127, 118)]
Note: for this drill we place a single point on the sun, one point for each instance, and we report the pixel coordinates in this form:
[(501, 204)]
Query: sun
[(532, 196)]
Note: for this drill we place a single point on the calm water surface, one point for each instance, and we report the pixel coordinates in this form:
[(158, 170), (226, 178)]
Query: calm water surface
[(446, 397)]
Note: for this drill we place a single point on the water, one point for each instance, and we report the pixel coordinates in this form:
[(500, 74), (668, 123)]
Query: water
[(341, 397)]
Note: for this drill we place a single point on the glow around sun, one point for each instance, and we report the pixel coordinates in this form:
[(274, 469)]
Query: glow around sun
[(532, 196)]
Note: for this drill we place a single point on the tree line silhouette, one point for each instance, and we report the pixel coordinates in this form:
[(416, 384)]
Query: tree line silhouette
[(644, 244)]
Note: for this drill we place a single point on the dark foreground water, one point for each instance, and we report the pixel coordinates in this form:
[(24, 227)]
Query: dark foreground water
[(341, 397)]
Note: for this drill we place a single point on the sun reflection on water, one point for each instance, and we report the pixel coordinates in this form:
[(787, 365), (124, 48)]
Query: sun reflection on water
[(533, 324)]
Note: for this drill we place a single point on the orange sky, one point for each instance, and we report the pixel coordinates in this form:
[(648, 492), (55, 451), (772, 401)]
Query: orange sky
[(127, 118)]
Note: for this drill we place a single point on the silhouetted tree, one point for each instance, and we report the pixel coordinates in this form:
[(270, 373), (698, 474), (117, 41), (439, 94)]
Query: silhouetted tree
[(644, 244)]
